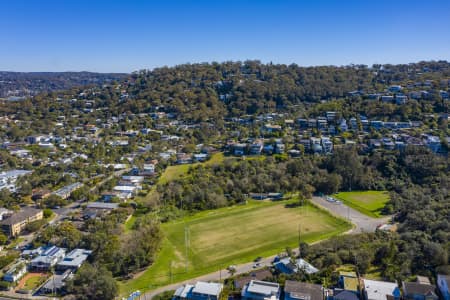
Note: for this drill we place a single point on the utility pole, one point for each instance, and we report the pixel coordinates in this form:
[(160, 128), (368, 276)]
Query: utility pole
[(170, 270), (299, 238), (186, 243)]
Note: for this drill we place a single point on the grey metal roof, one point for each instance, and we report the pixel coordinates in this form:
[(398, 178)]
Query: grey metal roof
[(25, 213), (183, 291), (102, 205), (75, 258), (297, 287), (207, 288), (263, 287)]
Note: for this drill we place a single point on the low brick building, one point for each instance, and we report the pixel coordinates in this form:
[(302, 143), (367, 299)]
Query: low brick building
[(14, 224)]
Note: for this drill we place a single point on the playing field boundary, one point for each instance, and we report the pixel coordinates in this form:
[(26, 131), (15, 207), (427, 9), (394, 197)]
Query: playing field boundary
[(170, 263)]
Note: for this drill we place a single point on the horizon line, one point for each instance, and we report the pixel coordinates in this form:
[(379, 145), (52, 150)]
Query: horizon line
[(229, 61)]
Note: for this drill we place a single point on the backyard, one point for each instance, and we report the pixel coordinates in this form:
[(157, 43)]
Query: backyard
[(31, 281)]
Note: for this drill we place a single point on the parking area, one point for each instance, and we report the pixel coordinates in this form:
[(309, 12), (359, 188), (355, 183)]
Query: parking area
[(362, 222)]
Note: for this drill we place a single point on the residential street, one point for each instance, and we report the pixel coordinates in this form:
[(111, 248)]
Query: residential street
[(215, 276)]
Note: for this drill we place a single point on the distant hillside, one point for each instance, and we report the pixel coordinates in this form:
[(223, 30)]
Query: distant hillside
[(19, 84)]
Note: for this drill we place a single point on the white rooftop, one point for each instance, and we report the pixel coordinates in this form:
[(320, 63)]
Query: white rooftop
[(183, 291), (302, 264), (377, 290), (75, 258), (207, 288), (124, 188), (263, 288)]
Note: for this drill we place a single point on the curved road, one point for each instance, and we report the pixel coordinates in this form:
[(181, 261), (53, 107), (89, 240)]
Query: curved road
[(362, 223)]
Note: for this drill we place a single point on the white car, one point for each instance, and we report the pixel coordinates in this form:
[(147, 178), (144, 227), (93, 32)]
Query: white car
[(231, 268)]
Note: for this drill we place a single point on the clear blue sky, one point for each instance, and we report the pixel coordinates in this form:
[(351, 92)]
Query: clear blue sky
[(123, 36)]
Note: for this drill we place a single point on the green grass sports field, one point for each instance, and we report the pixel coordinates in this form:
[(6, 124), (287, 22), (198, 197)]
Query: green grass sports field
[(232, 235)]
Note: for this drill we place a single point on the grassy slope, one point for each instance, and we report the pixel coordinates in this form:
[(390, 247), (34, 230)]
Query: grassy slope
[(130, 223), (369, 203), (177, 171), (233, 235)]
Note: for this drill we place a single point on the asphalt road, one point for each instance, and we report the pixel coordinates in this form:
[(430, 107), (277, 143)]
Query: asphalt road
[(362, 223), (215, 276)]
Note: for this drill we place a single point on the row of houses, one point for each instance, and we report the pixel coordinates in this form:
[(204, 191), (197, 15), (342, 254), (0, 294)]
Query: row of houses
[(256, 147), (126, 188), (353, 288), (45, 258), (332, 124), (8, 179), (66, 191), (350, 288), (253, 290)]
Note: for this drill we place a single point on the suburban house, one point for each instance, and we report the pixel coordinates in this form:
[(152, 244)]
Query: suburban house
[(184, 158), (200, 291), (387, 98), (280, 148), (286, 266), (48, 258), (5, 213), (95, 209), (102, 206), (39, 194), (380, 290), (419, 291), (8, 179), (56, 283), (443, 283), (109, 196), (183, 292), (15, 272), (148, 170), (200, 157), (65, 192), (13, 225), (261, 290), (256, 147), (73, 260), (239, 149), (261, 274), (125, 189), (272, 128), (344, 295), (295, 290)]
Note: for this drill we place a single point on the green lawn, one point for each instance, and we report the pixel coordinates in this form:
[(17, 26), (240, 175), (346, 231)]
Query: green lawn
[(130, 223), (175, 172), (369, 203), (232, 235), (34, 282)]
